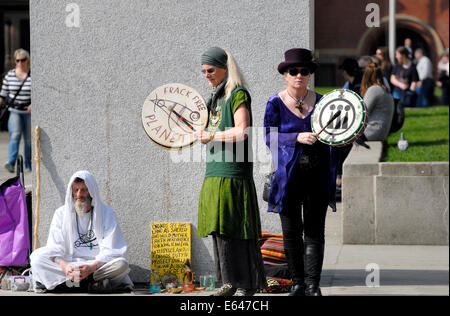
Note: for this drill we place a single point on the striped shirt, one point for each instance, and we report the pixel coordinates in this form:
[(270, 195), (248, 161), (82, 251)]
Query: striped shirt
[(11, 85)]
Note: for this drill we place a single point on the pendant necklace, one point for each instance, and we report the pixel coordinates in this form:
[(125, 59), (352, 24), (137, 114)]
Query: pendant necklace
[(215, 108), (85, 240), (299, 101)]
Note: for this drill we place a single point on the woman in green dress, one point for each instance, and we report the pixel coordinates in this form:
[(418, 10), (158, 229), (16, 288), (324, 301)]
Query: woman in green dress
[(228, 207)]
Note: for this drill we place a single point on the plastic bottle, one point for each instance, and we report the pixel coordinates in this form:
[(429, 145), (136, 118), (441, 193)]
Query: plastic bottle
[(155, 282), (188, 278)]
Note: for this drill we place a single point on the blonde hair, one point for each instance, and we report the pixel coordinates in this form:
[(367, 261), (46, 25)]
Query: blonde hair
[(235, 77), (21, 53)]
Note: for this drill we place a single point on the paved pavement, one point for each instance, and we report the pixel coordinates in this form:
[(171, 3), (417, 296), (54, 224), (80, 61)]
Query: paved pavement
[(360, 270)]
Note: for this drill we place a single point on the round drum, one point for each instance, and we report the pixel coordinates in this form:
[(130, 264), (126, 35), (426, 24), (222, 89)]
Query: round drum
[(172, 113), (346, 128)]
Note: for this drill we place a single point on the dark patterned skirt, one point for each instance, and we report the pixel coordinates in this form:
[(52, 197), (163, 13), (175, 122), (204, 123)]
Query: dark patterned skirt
[(239, 262)]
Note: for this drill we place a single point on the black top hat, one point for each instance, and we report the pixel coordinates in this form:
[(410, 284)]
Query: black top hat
[(297, 57)]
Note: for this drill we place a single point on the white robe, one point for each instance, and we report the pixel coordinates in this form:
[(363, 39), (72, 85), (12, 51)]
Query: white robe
[(63, 234)]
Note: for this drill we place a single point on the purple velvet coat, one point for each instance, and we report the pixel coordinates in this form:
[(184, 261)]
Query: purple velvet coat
[(281, 130)]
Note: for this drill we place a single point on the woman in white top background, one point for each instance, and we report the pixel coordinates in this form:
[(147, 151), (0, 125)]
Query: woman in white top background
[(16, 91)]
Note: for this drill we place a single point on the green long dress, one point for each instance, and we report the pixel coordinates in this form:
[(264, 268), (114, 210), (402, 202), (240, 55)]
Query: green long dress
[(228, 204)]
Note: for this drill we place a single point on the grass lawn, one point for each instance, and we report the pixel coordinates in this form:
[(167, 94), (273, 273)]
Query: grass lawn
[(425, 129), (323, 90), (427, 132)]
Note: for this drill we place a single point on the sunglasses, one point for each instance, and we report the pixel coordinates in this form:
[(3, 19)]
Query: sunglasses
[(21, 60), (209, 70), (295, 71)]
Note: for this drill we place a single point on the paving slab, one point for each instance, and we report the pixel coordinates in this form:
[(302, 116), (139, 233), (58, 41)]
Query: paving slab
[(358, 270), (348, 270)]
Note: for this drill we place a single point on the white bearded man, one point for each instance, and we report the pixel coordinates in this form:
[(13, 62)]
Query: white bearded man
[(85, 246)]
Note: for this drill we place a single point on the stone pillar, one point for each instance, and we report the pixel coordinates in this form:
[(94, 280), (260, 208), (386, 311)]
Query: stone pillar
[(94, 63)]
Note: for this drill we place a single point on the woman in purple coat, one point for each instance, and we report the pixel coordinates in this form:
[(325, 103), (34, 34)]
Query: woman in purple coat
[(304, 181)]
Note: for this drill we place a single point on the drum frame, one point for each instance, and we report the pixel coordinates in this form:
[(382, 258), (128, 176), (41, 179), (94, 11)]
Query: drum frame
[(174, 147), (361, 128)]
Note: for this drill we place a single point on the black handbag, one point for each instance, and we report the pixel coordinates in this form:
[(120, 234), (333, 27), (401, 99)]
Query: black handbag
[(3, 110), (398, 118)]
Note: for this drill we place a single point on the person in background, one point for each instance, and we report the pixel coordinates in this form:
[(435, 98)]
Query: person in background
[(364, 61), (352, 74), (408, 46), (425, 85), (404, 79), (379, 103), (16, 91), (386, 66), (443, 79)]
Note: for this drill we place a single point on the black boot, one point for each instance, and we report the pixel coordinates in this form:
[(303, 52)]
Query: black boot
[(313, 290), (295, 259), (313, 267), (297, 290)]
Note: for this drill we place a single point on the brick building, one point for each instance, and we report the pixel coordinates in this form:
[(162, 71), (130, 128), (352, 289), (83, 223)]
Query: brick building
[(341, 31)]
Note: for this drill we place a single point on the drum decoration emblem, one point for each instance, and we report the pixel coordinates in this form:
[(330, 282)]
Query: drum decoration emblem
[(172, 113), (348, 126)]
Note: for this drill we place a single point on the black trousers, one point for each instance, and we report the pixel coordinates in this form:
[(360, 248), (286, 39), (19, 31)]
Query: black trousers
[(303, 216)]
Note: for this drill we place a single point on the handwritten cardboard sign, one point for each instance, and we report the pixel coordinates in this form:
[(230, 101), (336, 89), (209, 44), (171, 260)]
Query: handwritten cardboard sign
[(171, 246)]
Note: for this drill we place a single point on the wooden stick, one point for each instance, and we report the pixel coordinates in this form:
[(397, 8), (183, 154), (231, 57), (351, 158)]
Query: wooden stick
[(182, 119), (37, 159), (329, 122)]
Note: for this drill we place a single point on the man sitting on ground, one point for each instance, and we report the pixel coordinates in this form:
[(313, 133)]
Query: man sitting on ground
[(85, 247)]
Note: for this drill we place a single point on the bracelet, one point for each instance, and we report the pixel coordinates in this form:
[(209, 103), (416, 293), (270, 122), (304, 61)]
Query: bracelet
[(211, 136)]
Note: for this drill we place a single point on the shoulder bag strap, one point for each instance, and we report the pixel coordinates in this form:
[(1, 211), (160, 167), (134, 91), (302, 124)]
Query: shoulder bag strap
[(20, 88)]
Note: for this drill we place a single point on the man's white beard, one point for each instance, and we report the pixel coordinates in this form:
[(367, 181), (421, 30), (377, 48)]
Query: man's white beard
[(81, 208)]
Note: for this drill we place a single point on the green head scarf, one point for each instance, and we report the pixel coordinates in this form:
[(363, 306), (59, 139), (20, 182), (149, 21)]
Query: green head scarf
[(215, 56)]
